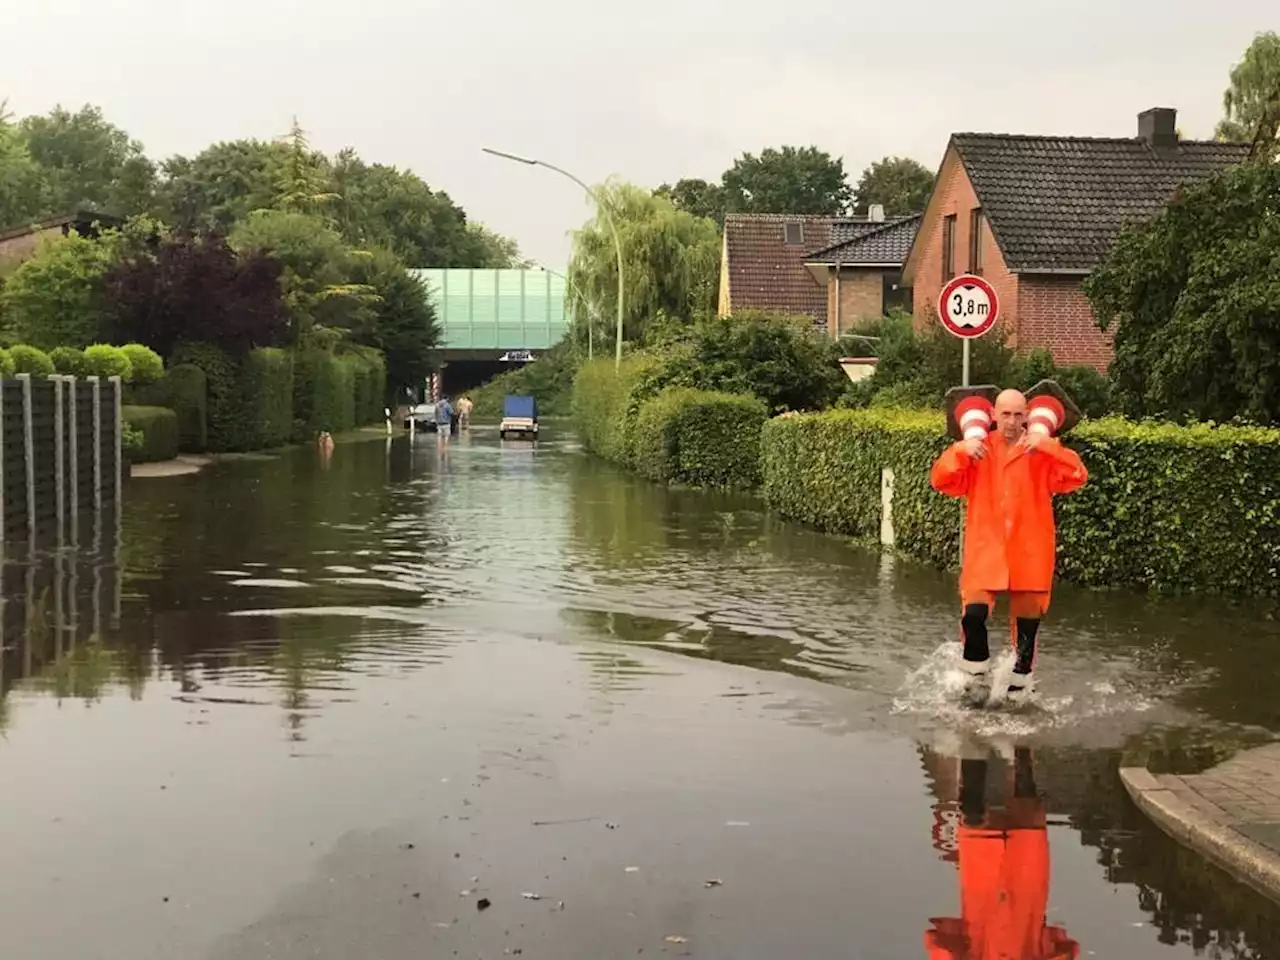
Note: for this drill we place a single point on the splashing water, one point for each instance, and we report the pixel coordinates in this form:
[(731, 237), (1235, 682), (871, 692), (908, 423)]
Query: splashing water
[(939, 689)]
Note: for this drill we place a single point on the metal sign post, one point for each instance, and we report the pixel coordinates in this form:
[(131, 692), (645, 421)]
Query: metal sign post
[(968, 307)]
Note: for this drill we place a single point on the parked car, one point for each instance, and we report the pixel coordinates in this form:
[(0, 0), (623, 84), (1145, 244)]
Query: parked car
[(423, 417)]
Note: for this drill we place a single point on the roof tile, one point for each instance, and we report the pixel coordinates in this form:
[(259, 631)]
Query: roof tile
[(765, 273)]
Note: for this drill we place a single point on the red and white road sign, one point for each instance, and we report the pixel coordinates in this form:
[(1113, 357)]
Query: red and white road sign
[(968, 306)]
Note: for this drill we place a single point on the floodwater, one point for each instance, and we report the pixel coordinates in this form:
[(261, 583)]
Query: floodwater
[(488, 700)]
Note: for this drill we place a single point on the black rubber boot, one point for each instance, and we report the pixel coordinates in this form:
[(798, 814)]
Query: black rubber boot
[(1024, 776), (973, 791), (1022, 682), (977, 649)]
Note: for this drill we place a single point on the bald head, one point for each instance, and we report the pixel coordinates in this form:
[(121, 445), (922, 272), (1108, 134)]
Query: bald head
[(1011, 415)]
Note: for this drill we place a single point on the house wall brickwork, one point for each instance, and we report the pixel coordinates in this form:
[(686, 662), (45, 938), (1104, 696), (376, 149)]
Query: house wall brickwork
[(861, 299), (1055, 313)]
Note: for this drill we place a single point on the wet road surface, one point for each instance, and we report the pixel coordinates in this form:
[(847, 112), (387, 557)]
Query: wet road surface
[(288, 712)]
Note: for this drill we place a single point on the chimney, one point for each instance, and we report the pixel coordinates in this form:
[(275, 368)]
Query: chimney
[(1158, 127), (875, 213)]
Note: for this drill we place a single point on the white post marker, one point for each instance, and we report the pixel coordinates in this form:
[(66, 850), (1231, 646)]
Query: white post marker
[(968, 307)]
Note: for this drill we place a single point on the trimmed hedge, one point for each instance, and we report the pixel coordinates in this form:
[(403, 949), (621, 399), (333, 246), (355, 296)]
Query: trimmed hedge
[(267, 387), (103, 360), (159, 427), (606, 403), (69, 361), (187, 388), (323, 397), (1166, 508), (225, 428), (32, 360), (700, 437), (6, 363)]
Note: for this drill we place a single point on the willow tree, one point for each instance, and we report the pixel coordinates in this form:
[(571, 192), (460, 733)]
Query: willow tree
[(1251, 103), (671, 260)]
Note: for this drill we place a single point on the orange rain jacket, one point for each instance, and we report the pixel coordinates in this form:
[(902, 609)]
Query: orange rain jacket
[(1009, 534), (1004, 890)]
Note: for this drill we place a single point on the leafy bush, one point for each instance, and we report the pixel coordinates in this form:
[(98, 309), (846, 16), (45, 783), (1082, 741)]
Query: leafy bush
[(700, 438), (1165, 508), (779, 358), (69, 361), (7, 368), (267, 386), (32, 360), (144, 363), (106, 361), (55, 298), (131, 441), (187, 388), (159, 428), (369, 385), (549, 380)]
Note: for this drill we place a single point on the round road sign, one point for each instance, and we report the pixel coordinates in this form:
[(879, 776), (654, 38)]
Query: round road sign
[(968, 306)]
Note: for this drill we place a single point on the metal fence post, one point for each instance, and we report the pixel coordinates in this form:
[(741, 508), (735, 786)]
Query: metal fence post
[(97, 443), (72, 389), (28, 442), (118, 385), (59, 454)]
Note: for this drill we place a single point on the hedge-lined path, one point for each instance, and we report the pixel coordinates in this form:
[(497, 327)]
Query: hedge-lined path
[(410, 698), (1230, 813)]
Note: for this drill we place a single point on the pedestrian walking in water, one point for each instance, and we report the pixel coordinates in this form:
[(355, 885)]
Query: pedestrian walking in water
[(1008, 478), (444, 417), (465, 407)]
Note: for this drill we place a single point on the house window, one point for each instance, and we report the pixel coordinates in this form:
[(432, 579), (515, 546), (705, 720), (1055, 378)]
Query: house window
[(975, 241), (894, 296), (948, 247), (794, 234)]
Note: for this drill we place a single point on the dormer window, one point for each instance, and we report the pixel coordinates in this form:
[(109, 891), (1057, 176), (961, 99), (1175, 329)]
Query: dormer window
[(793, 233)]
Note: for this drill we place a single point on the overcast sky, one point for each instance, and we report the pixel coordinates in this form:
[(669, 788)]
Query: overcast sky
[(602, 88)]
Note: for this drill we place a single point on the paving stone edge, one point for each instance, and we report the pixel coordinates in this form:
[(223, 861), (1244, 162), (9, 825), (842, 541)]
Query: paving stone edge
[(1243, 858)]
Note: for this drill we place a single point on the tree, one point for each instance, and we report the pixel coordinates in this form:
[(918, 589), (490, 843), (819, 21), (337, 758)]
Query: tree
[(494, 251), (1252, 102), (900, 184), (304, 181), (790, 180), (196, 289), (670, 259), (55, 299), (318, 270), (89, 163), (220, 186), (1194, 300), (386, 207), (402, 321), (22, 188), (698, 197)]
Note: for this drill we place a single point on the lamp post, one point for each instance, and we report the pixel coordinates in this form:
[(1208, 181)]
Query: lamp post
[(617, 244), (573, 288)]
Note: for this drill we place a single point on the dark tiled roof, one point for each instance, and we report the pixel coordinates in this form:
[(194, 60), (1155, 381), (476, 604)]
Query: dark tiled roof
[(1058, 203), (887, 242), (765, 273)]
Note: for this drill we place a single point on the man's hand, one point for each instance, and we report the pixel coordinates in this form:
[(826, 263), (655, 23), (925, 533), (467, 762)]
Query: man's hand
[(976, 447), (1032, 440)]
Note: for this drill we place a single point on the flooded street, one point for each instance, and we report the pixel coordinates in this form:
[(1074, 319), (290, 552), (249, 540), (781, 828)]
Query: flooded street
[(488, 700)]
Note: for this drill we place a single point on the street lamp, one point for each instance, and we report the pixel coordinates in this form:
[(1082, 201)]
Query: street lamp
[(573, 288), (617, 244)]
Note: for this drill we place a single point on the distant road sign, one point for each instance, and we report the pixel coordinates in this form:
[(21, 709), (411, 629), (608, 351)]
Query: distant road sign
[(517, 356), (968, 306)]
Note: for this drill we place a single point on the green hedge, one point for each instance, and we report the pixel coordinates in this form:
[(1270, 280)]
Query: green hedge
[(324, 388), (700, 437), (369, 387), (1166, 507), (226, 430), (186, 387), (267, 385), (606, 403), (159, 427)]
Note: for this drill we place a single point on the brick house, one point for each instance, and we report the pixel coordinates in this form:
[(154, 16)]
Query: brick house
[(20, 243), (835, 270), (1034, 215), (863, 271)]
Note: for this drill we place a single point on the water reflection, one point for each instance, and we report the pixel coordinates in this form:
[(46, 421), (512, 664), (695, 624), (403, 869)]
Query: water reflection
[(1000, 846)]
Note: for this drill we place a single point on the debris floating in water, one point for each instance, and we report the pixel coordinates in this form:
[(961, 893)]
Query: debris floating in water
[(714, 882)]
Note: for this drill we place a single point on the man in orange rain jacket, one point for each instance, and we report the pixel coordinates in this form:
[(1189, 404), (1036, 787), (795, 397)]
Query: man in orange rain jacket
[(1008, 478), (1004, 876)]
